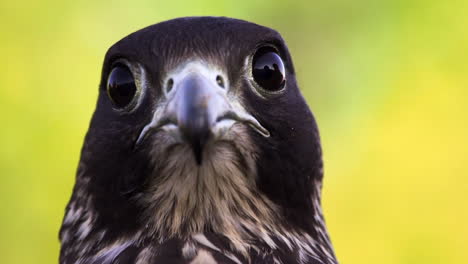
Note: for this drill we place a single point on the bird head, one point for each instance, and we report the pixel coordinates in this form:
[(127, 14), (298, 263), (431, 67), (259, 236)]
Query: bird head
[(200, 126)]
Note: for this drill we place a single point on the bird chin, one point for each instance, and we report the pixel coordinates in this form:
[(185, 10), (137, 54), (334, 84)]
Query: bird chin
[(232, 138)]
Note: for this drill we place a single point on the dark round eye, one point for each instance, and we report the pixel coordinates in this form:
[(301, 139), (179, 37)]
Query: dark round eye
[(268, 69), (121, 86)]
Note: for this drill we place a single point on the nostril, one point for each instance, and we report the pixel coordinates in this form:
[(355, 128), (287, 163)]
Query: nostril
[(220, 81), (170, 84)]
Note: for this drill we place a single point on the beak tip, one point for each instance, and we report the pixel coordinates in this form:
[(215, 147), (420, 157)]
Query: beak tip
[(198, 159), (197, 149), (197, 141)]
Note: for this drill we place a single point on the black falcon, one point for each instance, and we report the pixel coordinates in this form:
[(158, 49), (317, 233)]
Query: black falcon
[(201, 150)]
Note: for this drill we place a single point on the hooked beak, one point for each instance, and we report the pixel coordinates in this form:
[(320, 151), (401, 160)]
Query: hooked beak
[(197, 110)]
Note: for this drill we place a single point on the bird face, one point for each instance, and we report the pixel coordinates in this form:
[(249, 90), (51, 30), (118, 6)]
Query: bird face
[(199, 127), (195, 109)]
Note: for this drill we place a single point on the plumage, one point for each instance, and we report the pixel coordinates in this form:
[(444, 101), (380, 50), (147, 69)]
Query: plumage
[(198, 152)]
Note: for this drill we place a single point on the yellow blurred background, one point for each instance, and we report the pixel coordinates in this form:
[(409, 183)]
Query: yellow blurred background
[(387, 81)]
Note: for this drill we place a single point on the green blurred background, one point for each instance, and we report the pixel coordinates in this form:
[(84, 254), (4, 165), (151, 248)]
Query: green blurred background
[(387, 80)]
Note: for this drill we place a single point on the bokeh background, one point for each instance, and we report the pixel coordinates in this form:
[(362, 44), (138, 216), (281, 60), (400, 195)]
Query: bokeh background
[(387, 81)]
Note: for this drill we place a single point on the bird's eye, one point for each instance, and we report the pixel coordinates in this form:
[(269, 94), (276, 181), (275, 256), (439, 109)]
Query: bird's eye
[(268, 69), (121, 86)]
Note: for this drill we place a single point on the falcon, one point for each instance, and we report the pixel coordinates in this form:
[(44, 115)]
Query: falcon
[(201, 150)]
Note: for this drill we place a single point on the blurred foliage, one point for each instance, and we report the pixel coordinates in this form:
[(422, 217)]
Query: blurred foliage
[(387, 80)]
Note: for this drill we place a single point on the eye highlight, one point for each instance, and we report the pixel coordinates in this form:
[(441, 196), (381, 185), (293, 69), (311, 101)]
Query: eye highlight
[(268, 69), (121, 87)]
